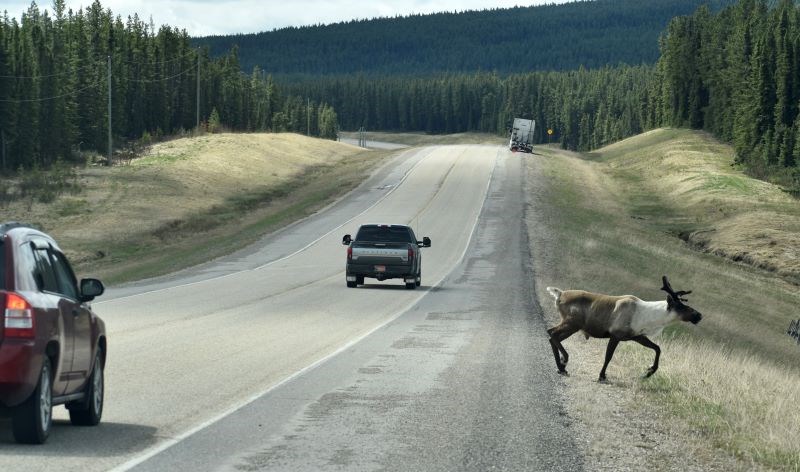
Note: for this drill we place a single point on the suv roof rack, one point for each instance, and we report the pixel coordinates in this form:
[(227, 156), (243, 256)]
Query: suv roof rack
[(5, 227)]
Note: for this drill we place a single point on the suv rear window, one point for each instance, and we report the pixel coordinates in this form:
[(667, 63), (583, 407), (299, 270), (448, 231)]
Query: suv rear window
[(384, 234), (2, 265)]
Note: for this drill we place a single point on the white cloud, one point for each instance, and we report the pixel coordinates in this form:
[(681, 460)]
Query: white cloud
[(206, 17)]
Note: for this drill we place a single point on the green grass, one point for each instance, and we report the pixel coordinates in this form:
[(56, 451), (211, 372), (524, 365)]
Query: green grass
[(71, 206), (729, 183)]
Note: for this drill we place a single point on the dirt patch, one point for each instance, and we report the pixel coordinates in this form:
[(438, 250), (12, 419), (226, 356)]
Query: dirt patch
[(767, 240)]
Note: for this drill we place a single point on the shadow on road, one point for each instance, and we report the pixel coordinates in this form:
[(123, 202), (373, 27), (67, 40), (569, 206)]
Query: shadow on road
[(390, 287), (104, 440)]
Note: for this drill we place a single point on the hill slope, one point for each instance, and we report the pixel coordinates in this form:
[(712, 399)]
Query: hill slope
[(193, 199), (706, 202), (550, 37)]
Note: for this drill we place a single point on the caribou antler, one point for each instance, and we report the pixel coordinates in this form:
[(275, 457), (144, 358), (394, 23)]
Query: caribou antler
[(676, 295)]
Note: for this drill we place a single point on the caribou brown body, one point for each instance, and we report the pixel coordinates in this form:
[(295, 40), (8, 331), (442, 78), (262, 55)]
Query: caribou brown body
[(618, 318)]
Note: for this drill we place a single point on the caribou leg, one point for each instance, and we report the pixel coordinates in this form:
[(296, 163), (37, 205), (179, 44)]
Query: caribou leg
[(612, 345), (644, 341), (558, 334)]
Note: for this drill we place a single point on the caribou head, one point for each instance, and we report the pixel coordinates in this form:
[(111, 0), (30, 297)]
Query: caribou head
[(675, 302)]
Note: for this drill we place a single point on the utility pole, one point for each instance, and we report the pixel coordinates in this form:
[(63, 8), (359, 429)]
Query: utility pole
[(109, 110), (308, 117), (3, 144), (197, 114), (362, 137)]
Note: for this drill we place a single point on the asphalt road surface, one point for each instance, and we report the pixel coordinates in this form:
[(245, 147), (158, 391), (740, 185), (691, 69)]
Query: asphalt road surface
[(264, 360)]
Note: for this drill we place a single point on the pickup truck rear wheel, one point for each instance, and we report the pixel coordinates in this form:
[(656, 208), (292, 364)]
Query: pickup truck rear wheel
[(411, 286), (31, 421), (360, 280), (352, 284)]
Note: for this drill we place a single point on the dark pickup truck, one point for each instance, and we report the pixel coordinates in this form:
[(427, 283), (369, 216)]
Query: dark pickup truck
[(384, 252)]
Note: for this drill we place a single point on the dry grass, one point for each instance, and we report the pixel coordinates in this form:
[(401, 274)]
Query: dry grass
[(730, 382), (701, 196), (740, 402), (229, 188)]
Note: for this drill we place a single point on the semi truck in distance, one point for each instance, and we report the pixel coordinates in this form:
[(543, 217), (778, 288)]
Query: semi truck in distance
[(522, 135)]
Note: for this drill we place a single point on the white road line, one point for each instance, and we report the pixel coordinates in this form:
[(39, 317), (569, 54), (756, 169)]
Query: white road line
[(177, 439)]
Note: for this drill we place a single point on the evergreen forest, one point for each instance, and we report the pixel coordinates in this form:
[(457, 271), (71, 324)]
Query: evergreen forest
[(736, 74), (55, 87), (732, 71), (591, 34)]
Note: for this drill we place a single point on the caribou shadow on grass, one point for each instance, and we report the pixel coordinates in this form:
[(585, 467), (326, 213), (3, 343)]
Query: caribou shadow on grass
[(618, 318)]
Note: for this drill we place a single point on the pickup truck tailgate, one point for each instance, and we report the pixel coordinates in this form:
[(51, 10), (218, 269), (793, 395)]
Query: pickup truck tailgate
[(380, 253)]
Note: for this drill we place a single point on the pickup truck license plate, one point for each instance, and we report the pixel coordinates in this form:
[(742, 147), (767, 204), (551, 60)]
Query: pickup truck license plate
[(380, 268)]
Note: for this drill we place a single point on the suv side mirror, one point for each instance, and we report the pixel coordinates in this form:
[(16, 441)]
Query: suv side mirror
[(346, 240), (91, 288), (426, 242)]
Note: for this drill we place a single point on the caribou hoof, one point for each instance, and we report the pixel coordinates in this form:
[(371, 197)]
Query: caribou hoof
[(602, 379), (649, 372), (563, 372)]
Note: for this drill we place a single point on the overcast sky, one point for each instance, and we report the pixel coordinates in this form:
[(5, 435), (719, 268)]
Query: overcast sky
[(207, 17)]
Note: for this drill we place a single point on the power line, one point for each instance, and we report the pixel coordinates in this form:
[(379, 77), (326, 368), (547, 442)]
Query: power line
[(50, 75), (30, 100), (190, 69), (99, 63), (166, 61)]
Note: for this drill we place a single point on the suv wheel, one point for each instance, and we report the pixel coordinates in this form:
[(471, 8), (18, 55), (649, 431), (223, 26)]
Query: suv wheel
[(31, 421), (89, 410)]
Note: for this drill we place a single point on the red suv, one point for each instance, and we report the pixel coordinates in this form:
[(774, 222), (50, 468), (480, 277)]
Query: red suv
[(52, 346)]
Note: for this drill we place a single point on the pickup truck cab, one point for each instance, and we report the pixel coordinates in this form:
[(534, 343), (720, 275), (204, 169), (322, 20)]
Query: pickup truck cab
[(384, 252)]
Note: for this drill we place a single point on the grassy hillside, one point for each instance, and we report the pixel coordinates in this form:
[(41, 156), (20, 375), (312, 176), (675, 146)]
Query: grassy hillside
[(685, 184), (193, 199), (726, 394)]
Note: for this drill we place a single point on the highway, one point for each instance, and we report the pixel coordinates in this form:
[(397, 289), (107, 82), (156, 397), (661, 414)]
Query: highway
[(264, 360)]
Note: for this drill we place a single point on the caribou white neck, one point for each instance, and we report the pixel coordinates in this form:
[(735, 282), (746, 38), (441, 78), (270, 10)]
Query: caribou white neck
[(651, 317)]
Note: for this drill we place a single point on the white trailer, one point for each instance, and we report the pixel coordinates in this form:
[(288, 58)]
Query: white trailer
[(522, 135)]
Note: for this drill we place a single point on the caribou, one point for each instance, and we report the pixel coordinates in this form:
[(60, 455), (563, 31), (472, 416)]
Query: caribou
[(618, 318)]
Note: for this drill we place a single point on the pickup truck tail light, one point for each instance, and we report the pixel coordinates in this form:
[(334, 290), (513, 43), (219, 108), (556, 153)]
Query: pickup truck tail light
[(349, 253), (18, 319), (410, 254)]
